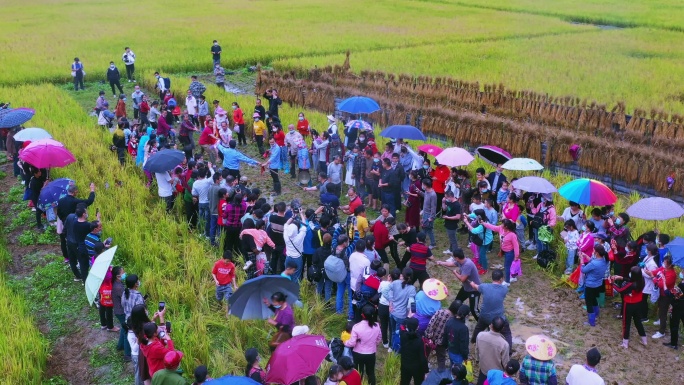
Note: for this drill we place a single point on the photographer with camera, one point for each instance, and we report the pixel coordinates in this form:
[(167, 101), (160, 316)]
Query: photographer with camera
[(293, 234), (128, 58), (156, 341)]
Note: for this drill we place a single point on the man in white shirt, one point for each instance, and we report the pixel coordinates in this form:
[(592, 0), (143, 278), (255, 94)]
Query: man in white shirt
[(335, 176), (128, 58), (292, 141), (293, 234), (191, 107), (586, 374), (200, 193), (358, 262), (165, 189)]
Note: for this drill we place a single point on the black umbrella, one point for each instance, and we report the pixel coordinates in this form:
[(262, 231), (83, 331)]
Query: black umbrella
[(493, 155), (164, 160)]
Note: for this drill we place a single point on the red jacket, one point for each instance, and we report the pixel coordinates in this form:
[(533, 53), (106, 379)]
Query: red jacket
[(154, 353), (629, 294), (381, 234), (238, 118)]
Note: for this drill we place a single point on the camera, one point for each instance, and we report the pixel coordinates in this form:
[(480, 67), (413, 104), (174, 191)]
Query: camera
[(162, 305)]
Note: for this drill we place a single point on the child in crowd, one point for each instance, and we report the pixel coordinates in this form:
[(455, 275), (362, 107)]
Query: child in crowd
[(334, 375), (290, 269), (477, 203), (120, 111), (570, 236), (224, 276), (107, 304), (502, 194)]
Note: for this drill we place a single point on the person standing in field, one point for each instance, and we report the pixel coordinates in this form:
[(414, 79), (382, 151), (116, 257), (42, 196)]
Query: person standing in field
[(259, 128), (224, 277), (220, 74), (239, 120), (216, 53), (128, 58), (196, 88), (274, 164), (137, 97), (114, 78), (78, 73)]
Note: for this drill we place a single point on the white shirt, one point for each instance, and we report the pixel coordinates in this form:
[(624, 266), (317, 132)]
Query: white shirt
[(191, 105), (357, 264), (161, 85), (293, 138), (650, 265), (332, 129), (200, 189), (322, 149), (130, 56), (164, 184), (294, 240), (578, 375), (383, 289)]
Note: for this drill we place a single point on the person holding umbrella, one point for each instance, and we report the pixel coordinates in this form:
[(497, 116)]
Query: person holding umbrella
[(38, 180), (284, 315)]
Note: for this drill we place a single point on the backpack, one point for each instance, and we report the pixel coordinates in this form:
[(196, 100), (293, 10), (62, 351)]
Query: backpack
[(167, 83), (335, 268), (314, 274), (336, 350), (546, 258), (477, 239), (540, 219)]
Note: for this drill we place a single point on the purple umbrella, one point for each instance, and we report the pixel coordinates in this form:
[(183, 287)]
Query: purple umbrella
[(493, 155), (534, 184), (16, 117), (656, 209)]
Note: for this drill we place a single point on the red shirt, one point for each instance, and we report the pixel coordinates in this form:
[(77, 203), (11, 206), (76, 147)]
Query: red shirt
[(163, 128), (221, 206), (670, 278), (441, 175), (238, 118), (353, 378), (356, 202), (629, 294), (144, 107), (154, 353), (224, 271), (279, 138), (303, 127), (106, 294), (381, 235), (205, 139)]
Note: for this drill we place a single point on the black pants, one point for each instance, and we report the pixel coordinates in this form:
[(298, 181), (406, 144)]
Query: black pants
[(632, 312), (169, 200), (383, 316), (278, 259), (39, 214), (63, 245), (232, 239), (677, 317), (107, 317), (276, 180), (72, 252), (644, 306), (188, 146), (663, 306), (83, 261), (407, 375), (234, 173), (293, 165), (191, 209), (473, 301), (260, 143), (242, 139), (121, 155), (136, 113), (420, 276), (481, 378), (306, 262), (591, 297), (365, 364), (383, 255), (78, 80), (394, 252), (482, 325), (116, 84), (130, 71)]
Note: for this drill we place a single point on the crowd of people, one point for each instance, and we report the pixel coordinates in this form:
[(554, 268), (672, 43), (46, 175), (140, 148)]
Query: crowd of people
[(377, 268)]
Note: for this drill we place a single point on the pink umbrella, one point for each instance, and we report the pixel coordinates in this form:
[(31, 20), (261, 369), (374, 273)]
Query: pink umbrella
[(493, 155), (430, 149), (296, 358), (454, 157), (46, 153)]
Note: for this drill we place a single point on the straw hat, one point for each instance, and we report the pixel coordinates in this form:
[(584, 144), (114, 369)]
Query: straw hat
[(435, 289), (541, 347)]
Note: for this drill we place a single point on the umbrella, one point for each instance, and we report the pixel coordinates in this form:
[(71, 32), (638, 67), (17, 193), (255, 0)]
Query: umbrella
[(454, 157), (358, 105), (676, 247), (656, 209), (297, 358), (233, 380), (164, 160), (430, 149), (588, 192), (493, 155), (97, 273), (402, 132), (46, 153), (53, 192), (31, 134), (522, 164), (360, 125), (16, 117), (246, 303), (534, 184)]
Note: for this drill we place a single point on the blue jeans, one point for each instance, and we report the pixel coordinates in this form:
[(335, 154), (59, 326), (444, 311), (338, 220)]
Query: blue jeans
[(205, 216), (455, 358), (298, 273), (223, 292), (388, 199), (123, 334), (405, 183), (508, 261), (324, 286), (482, 254), (429, 230), (394, 324), (339, 303), (214, 230), (570, 261), (541, 246)]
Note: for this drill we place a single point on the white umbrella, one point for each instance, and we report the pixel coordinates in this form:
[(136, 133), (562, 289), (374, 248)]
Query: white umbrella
[(534, 184), (522, 164), (656, 209), (32, 133), (97, 273)]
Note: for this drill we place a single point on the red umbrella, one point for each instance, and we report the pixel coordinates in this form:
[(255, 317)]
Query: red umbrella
[(430, 149), (297, 358), (46, 153)]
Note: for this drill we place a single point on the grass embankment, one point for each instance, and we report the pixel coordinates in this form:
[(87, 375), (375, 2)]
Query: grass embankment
[(23, 349), (246, 33), (581, 65)]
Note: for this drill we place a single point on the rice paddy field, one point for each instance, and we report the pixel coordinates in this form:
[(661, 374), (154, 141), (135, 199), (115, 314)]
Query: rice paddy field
[(607, 51)]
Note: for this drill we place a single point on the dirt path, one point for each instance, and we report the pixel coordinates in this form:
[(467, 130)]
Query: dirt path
[(71, 352)]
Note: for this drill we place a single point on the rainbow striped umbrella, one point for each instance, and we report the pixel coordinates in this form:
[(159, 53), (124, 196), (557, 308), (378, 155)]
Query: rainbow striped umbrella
[(588, 192)]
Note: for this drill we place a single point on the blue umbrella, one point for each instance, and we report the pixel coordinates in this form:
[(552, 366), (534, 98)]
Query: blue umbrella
[(246, 303), (403, 132), (53, 192), (358, 105), (233, 380), (164, 160), (16, 117), (676, 247)]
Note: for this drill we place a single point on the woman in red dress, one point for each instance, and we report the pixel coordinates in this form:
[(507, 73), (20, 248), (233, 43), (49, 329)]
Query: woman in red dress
[(303, 125), (413, 201)]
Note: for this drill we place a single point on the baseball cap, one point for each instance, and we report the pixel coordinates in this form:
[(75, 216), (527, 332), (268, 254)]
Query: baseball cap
[(172, 359)]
